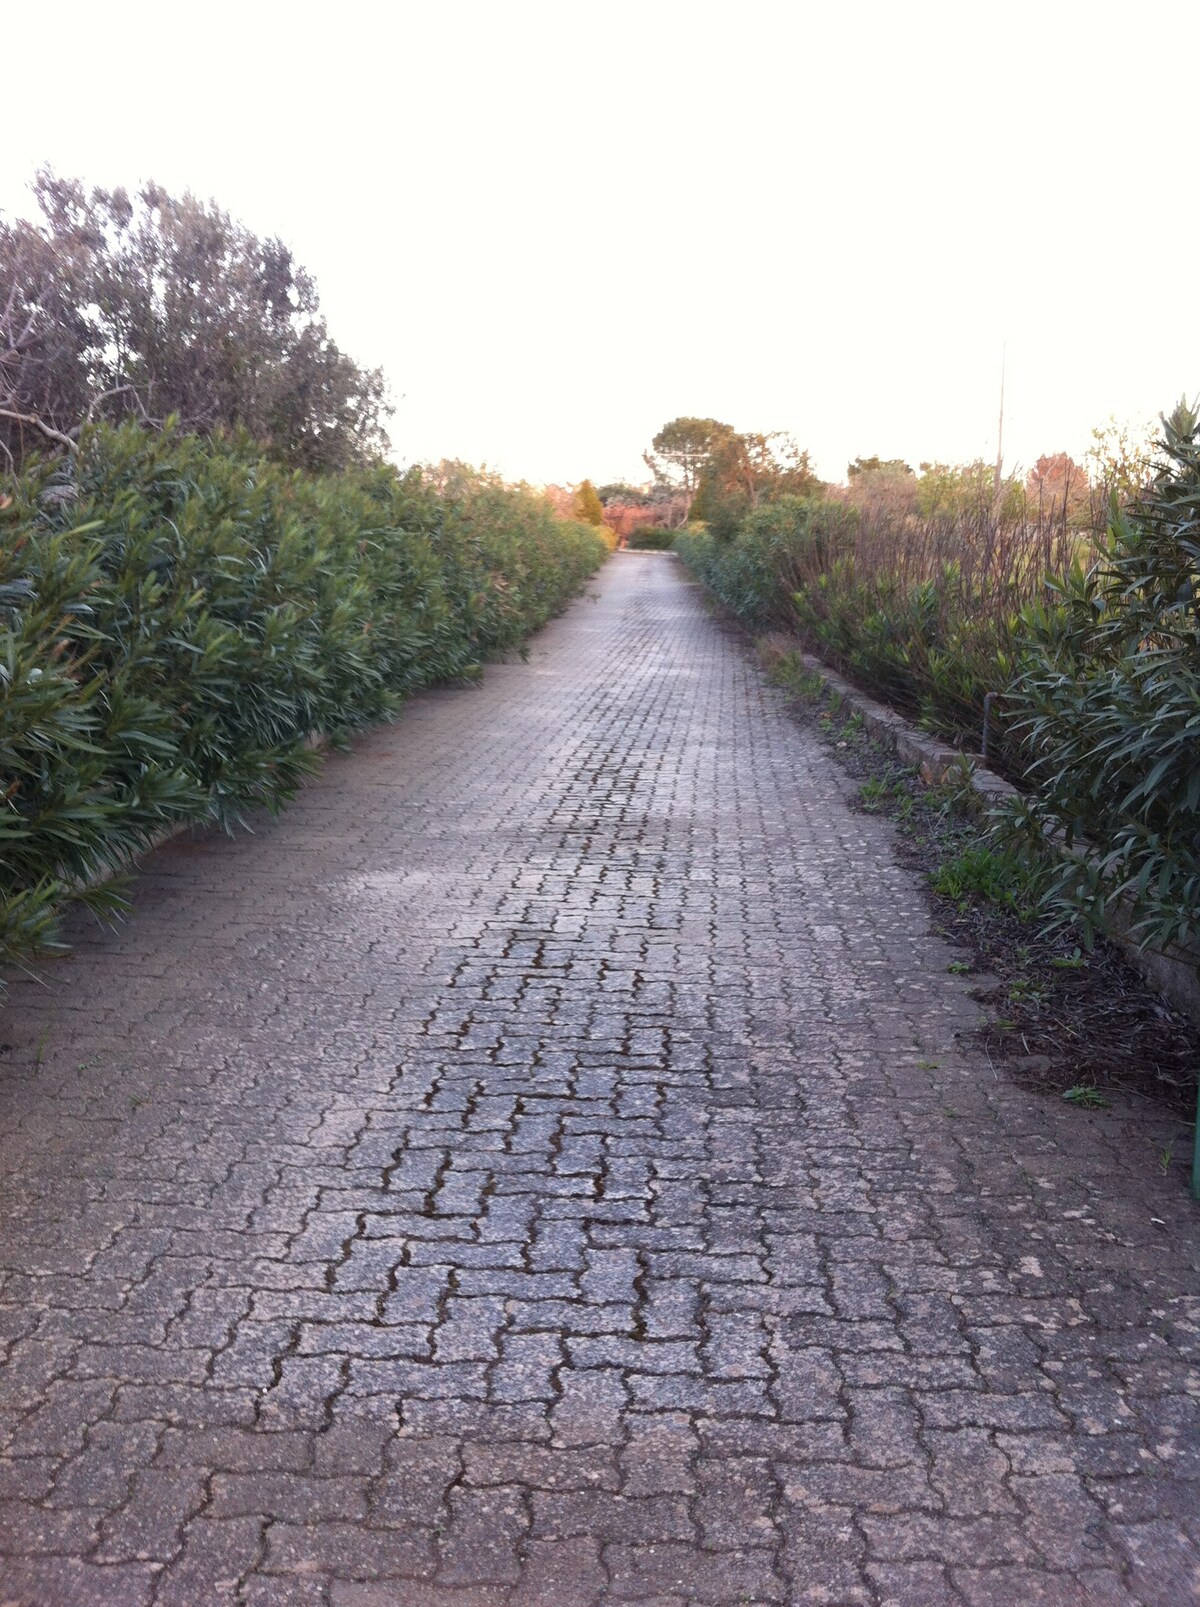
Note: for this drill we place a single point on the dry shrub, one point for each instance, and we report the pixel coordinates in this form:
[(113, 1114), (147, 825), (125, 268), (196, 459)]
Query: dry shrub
[(921, 607)]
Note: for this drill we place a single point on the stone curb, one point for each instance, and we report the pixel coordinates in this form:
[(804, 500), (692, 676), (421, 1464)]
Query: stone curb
[(932, 758)]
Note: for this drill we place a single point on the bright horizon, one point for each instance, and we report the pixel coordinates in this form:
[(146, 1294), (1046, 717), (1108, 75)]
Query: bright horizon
[(556, 231)]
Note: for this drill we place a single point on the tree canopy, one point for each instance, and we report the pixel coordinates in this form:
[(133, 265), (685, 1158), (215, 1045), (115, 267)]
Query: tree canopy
[(877, 465), (149, 305), (681, 450), (618, 491), (1056, 481), (719, 474)]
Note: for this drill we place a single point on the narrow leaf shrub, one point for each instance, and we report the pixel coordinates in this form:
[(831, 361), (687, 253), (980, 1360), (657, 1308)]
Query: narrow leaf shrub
[(178, 617), (1107, 704)]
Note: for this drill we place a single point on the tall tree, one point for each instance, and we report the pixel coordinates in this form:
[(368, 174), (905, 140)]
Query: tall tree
[(746, 469), (681, 451), (760, 467), (151, 305), (720, 473)]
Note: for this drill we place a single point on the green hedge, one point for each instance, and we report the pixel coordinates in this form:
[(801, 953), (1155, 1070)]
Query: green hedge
[(929, 637), (1107, 702), (178, 617), (651, 538), (751, 574)]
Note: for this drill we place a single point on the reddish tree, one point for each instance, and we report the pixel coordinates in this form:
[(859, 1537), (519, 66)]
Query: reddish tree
[(1057, 481), (623, 518)]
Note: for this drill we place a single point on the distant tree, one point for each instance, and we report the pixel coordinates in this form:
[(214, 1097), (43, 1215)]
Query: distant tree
[(719, 473), (877, 465), (762, 467), (618, 491), (1057, 484), (150, 305), (624, 518), (1121, 459), (745, 470), (952, 490), (680, 452), (561, 500), (881, 484), (588, 507)]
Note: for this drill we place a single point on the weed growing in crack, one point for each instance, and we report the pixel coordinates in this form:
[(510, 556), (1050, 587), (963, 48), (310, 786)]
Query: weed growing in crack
[(1086, 1097)]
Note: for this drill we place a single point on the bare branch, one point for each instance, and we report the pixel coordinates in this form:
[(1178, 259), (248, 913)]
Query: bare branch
[(117, 390), (32, 418)]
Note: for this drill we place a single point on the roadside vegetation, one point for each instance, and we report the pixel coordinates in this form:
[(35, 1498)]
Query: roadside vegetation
[(1062, 613), (206, 564)]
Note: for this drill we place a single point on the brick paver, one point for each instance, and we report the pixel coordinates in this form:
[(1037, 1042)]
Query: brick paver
[(547, 1166)]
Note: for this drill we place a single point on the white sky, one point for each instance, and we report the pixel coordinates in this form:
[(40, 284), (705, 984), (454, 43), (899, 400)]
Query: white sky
[(558, 226)]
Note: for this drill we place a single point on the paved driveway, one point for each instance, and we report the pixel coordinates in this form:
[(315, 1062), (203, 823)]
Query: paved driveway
[(548, 1166)]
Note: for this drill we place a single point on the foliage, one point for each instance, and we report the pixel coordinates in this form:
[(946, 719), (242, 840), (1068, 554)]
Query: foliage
[(1087, 1097), (680, 451), (588, 508), (714, 473), (1057, 479), (178, 617), (961, 491), (983, 871), (617, 491), (149, 305), (877, 465), (1108, 706), (1121, 459), (625, 519), (744, 471), (755, 575), (651, 538), (921, 609), (875, 487)]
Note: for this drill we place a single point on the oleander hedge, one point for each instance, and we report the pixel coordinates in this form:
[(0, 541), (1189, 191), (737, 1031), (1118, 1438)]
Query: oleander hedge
[(179, 616)]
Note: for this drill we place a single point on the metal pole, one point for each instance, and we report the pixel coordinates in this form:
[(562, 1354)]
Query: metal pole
[(1000, 432)]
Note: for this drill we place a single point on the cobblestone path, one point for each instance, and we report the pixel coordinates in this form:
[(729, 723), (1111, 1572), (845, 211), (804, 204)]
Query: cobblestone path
[(544, 1168)]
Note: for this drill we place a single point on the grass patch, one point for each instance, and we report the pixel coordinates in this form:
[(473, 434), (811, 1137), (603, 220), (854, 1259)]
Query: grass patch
[(980, 871)]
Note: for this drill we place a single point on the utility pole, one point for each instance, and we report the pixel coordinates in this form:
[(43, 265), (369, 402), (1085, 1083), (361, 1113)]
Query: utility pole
[(1000, 432)]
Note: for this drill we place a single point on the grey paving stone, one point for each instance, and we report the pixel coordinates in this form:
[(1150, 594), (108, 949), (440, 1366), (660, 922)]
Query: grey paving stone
[(521, 1174)]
